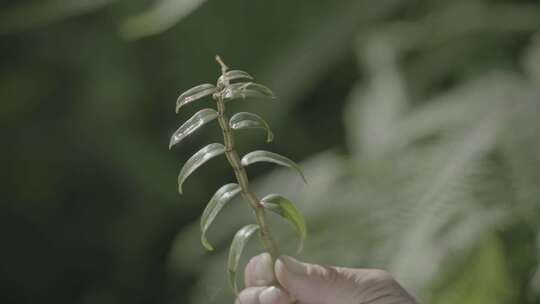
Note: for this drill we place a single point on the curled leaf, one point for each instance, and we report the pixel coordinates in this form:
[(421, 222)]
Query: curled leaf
[(197, 160), (246, 89), (193, 124), (246, 120), (232, 75), (266, 156), (194, 93), (237, 246), (220, 198), (282, 206)]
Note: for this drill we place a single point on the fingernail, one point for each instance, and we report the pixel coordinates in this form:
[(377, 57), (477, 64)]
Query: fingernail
[(293, 265)]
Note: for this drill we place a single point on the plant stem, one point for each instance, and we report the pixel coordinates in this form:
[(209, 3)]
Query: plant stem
[(242, 178)]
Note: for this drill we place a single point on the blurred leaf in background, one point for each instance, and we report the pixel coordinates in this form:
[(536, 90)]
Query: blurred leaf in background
[(418, 122), (33, 14), (164, 15)]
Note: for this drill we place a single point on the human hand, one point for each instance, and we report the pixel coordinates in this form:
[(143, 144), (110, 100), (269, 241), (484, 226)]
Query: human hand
[(316, 284)]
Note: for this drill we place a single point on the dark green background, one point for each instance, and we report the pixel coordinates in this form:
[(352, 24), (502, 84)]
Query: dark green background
[(89, 207)]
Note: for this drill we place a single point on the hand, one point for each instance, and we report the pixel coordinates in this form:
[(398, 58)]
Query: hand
[(316, 284)]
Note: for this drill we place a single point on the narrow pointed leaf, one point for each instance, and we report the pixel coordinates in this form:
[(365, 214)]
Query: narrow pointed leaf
[(233, 75), (282, 206), (194, 93), (261, 88), (216, 203), (266, 156), (193, 124), (245, 90), (197, 160), (237, 246), (246, 120)]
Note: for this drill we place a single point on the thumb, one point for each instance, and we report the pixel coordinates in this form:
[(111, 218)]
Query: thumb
[(317, 284)]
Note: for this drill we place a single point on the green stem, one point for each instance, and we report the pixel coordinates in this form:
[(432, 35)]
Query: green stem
[(243, 181)]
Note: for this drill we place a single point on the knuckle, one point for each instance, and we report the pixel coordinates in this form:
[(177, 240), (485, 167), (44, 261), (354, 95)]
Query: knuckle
[(328, 274), (332, 275), (378, 276)]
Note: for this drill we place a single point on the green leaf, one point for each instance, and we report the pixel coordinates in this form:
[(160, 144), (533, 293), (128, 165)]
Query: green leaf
[(193, 124), (237, 246), (246, 120), (232, 75), (197, 160), (282, 206), (162, 16), (194, 93), (266, 156), (245, 90), (220, 198)]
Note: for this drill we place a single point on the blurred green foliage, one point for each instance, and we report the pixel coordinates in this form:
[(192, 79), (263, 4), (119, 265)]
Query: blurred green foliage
[(418, 123)]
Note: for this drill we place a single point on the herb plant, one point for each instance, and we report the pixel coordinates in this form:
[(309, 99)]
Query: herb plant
[(234, 85)]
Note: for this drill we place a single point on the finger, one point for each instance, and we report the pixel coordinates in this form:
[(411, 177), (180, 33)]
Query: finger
[(259, 271), (310, 283), (263, 295), (274, 295), (377, 285), (250, 295)]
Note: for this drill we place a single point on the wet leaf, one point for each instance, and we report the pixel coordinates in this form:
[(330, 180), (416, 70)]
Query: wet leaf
[(194, 93), (193, 124), (237, 246), (282, 206), (266, 156), (232, 75), (245, 90), (246, 120), (197, 160), (220, 198)]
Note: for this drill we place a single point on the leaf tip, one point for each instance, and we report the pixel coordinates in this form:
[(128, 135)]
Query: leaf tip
[(232, 282), (178, 104), (172, 142), (300, 247), (302, 174), (206, 244), (270, 137)]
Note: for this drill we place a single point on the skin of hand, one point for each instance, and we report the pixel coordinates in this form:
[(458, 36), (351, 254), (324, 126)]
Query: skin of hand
[(303, 283)]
